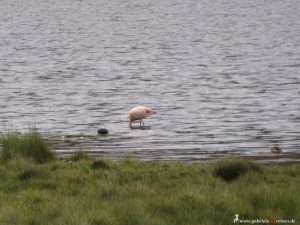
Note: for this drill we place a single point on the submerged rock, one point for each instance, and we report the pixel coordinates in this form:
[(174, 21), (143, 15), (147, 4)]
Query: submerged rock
[(102, 131)]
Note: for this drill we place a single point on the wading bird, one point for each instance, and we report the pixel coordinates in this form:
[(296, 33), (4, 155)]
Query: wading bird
[(139, 113)]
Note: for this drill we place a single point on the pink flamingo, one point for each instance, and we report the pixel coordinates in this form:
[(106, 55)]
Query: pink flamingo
[(139, 113)]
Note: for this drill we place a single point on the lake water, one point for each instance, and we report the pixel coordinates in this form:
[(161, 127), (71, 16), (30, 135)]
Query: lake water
[(223, 75)]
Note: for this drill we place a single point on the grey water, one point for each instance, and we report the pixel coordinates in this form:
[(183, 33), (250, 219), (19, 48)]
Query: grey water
[(223, 75)]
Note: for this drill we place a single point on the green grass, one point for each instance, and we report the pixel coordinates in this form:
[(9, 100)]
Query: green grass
[(230, 170), (29, 145), (83, 190)]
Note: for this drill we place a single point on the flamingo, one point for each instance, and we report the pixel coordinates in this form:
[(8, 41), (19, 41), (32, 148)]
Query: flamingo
[(139, 113)]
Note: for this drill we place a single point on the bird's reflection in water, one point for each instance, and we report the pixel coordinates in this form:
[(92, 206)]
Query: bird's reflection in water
[(141, 127)]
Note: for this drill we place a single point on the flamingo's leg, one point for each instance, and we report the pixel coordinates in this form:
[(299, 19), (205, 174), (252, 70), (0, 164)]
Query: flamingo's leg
[(141, 123)]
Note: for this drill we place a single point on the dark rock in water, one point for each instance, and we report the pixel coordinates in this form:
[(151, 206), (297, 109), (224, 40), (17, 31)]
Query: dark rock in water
[(276, 150), (102, 131)]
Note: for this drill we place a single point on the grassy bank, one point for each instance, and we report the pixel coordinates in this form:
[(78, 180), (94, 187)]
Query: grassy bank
[(82, 190)]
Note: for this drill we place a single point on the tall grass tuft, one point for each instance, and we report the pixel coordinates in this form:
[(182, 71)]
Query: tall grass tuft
[(231, 170), (28, 145)]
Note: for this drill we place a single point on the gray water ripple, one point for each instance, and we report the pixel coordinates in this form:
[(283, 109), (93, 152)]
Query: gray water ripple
[(223, 76)]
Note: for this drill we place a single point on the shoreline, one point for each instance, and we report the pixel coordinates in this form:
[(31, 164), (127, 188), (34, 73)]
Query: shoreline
[(97, 147), (110, 147), (282, 159)]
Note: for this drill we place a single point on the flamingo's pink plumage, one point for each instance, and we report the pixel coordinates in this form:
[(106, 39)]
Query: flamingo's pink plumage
[(139, 113)]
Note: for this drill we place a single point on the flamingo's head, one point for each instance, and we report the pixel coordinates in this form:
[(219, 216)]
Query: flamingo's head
[(150, 111)]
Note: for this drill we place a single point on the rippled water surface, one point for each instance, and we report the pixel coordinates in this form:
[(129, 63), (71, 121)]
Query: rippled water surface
[(224, 76)]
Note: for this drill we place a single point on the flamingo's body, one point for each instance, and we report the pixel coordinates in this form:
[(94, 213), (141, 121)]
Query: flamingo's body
[(139, 113)]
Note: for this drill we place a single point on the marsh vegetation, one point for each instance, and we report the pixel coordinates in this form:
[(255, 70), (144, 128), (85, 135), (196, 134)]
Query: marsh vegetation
[(36, 188)]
